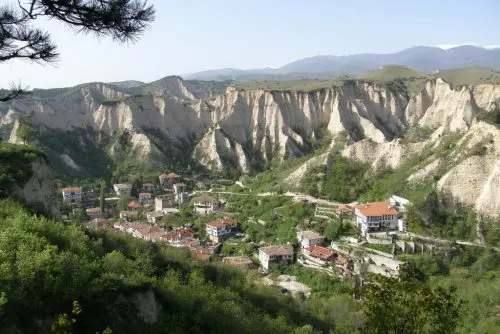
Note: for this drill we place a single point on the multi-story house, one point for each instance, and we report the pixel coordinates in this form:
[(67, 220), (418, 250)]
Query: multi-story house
[(220, 229), (72, 194), (375, 217), (276, 253), (206, 204), (123, 189), (144, 198), (93, 213), (148, 187), (168, 180), (179, 187), (309, 238)]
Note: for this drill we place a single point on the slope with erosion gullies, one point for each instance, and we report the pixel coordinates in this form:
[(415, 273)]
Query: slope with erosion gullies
[(251, 126)]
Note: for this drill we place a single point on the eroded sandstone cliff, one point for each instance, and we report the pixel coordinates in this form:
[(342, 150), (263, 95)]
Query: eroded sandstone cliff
[(242, 128)]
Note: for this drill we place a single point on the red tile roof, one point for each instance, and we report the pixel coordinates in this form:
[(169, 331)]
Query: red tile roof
[(278, 250), (71, 189), (169, 176), (93, 210), (134, 205), (237, 260), (221, 223), (345, 208), (320, 252), (376, 209), (206, 199)]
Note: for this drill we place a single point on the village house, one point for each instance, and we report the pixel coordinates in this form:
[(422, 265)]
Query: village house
[(309, 238), (144, 198), (148, 187), (220, 229), (93, 212), (154, 217), (200, 253), (97, 223), (206, 205), (242, 261), (129, 215), (168, 180), (375, 217), (276, 253), (182, 197), (344, 210), (134, 206), (72, 194), (122, 189), (318, 254), (179, 187), (163, 204)]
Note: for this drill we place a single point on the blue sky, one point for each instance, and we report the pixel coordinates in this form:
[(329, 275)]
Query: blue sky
[(194, 35)]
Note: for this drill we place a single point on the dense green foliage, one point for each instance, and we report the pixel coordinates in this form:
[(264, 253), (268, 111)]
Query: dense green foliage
[(344, 181), (475, 271), (408, 304), (269, 219), (469, 76), (15, 165), (46, 266)]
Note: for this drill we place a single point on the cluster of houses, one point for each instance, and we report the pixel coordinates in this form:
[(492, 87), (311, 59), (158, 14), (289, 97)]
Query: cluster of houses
[(174, 194)]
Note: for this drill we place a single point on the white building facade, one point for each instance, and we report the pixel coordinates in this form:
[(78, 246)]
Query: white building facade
[(376, 217), (72, 194)]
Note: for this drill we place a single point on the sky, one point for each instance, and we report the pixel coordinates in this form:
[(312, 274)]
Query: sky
[(194, 35)]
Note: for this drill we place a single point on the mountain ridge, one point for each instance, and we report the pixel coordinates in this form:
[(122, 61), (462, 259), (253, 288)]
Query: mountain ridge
[(421, 58), (98, 128)]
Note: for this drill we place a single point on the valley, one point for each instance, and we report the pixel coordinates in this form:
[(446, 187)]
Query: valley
[(305, 191)]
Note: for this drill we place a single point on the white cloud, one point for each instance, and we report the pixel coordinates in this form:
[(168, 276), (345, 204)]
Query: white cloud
[(451, 46)]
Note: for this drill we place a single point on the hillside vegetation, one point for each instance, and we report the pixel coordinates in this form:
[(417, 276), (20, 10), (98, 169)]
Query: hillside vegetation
[(469, 76), (15, 165)]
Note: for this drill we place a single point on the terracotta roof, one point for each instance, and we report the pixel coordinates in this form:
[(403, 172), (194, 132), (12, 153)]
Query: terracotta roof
[(134, 205), (129, 213), (220, 223), (376, 209), (200, 253), (345, 208), (206, 199), (144, 194), (70, 189), (237, 260), (122, 185), (186, 233), (155, 214), (310, 234), (278, 250), (169, 176), (320, 252), (93, 210)]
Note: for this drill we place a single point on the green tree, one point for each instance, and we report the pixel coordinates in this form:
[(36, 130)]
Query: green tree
[(123, 20), (408, 304), (102, 201), (25, 132)]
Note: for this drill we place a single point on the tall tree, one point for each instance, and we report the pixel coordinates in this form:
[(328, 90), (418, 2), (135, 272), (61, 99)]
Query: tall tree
[(408, 304), (122, 20), (101, 196)]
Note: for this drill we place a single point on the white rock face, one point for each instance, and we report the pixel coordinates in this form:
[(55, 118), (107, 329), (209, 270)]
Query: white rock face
[(39, 189), (234, 127)]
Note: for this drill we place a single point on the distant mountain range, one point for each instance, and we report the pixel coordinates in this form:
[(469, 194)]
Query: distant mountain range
[(421, 58)]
